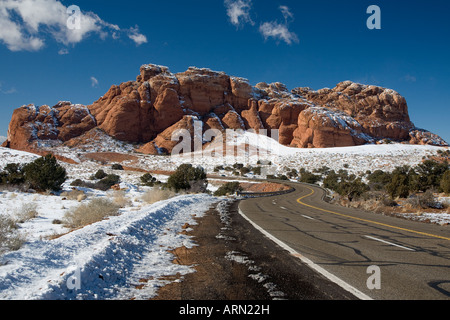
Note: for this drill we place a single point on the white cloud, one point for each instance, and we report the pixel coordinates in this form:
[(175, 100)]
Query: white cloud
[(409, 78), (26, 24), (137, 37), (63, 51), (287, 14), (7, 91), (94, 82), (280, 31), (239, 11)]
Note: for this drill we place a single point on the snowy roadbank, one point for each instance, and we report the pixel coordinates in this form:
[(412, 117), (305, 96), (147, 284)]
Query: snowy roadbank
[(105, 260)]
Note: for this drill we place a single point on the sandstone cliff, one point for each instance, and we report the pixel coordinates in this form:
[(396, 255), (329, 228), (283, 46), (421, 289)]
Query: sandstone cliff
[(146, 112)]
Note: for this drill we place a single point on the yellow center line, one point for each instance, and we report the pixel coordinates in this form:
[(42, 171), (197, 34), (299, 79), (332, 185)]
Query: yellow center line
[(299, 200)]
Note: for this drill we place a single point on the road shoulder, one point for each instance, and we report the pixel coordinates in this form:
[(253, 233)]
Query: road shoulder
[(234, 261)]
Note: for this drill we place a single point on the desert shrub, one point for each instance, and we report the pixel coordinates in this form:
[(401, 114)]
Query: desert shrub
[(77, 183), (45, 174), (95, 210), (244, 170), (228, 189), (424, 201), (185, 176), (100, 174), (73, 195), (104, 184), (352, 189), (379, 179), (331, 181), (309, 177), (346, 185), (117, 166), (403, 182), (445, 182), (120, 198), (430, 174), (12, 174), (257, 171), (26, 212), (10, 238), (157, 194), (107, 182), (148, 180)]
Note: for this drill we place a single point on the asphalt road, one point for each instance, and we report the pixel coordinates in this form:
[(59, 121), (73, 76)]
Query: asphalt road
[(371, 255)]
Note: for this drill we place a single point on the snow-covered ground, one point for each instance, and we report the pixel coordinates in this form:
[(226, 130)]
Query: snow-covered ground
[(104, 260), (111, 258)]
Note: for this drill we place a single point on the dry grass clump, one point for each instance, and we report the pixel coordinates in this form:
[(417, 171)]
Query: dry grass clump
[(27, 212), (157, 194), (95, 210), (10, 238), (78, 195), (120, 198)]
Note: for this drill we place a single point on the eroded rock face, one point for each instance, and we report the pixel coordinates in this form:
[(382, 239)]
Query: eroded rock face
[(59, 123), (147, 112)]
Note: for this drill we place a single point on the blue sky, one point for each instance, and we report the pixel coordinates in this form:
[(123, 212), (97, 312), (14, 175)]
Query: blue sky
[(300, 43)]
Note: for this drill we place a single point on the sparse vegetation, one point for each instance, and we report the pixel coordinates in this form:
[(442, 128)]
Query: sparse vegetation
[(228, 189), (188, 177), (157, 194), (148, 180), (10, 238), (95, 210), (120, 198), (43, 174), (100, 174), (414, 187), (117, 166), (103, 184), (445, 182), (26, 212)]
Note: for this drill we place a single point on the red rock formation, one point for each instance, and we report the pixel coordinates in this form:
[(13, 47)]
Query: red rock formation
[(147, 111)]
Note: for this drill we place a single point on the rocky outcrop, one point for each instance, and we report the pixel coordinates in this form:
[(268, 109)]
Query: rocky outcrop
[(147, 112), (45, 124)]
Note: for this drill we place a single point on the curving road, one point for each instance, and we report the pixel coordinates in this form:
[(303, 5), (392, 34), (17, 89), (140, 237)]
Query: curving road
[(371, 255)]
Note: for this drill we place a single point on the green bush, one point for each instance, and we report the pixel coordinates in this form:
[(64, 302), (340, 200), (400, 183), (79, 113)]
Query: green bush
[(100, 174), (185, 176), (117, 166), (148, 180), (345, 185), (445, 182), (308, 177), (45, 174), (403, 182), (13, 174), (107, 182), (379, 179), (430, 174), (228, 188)]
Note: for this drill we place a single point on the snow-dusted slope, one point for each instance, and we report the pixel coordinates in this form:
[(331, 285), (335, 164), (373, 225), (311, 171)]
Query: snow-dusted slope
[(108, 258)]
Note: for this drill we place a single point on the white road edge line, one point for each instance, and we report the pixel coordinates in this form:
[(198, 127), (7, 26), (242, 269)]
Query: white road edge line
[(311, 264), (390, 243)]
